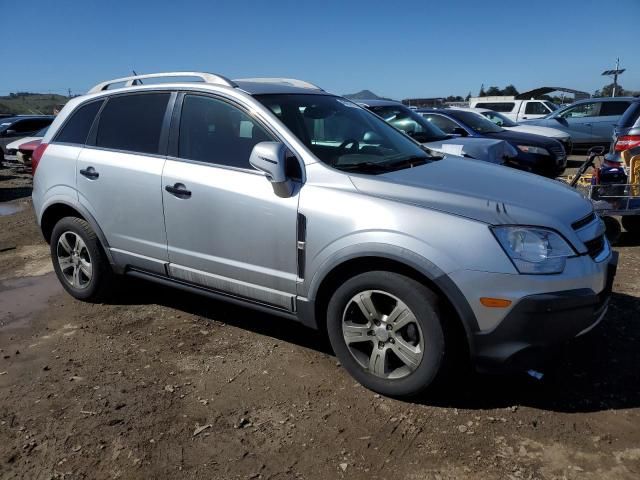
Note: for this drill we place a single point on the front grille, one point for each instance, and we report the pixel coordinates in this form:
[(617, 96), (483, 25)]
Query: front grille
[(583, 222), (558, 152), (595, 246)]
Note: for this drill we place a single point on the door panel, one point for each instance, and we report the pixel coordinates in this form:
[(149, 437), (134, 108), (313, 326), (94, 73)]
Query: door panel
[(233, 233), (125, 200)]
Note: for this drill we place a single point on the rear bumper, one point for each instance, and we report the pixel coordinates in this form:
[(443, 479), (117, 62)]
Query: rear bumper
[(526, 336)]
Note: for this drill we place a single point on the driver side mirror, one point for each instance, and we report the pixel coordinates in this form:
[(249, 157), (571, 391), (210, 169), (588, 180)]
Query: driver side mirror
[(9, 133), (460, 131), (271, 158)]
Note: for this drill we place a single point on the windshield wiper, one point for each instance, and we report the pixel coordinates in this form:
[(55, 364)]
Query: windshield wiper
[(364, 167)]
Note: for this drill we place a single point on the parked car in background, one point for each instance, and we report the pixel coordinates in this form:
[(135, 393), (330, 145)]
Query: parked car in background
[(14, 128), (276, 195), (11, 151), (25, 152), (513, 108), (505, 122), (415, 125), (589, 122), (537, 154), (626, 134)]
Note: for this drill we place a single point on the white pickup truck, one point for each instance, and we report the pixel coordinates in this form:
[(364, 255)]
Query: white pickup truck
[(515, 109)]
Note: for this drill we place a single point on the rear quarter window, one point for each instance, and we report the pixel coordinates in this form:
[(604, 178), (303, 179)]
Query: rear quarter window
[(132, 122), (613, 108), (76, 128)]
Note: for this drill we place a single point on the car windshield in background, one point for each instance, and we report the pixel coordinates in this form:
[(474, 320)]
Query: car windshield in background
[(552, 106), (41, 133), (344, 135), (475, 121), (499, 119), (410, 123)]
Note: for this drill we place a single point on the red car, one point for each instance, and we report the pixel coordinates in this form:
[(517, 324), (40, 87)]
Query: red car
[(25, 151)]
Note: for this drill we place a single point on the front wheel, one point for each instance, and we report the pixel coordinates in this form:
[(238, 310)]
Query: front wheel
[(385, 329), (78, 260)]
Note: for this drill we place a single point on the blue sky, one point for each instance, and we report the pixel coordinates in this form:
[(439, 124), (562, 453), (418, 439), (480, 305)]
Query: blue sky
[(396, 49)]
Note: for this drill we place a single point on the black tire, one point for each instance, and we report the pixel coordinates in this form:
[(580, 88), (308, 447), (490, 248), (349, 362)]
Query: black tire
[(423, 304), (100, 286), (613, 230), (631, 224)]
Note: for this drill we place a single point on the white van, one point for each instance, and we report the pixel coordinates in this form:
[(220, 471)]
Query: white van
[(516, 110)]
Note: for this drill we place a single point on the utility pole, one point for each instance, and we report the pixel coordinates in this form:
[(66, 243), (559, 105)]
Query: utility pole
[(614, 74), (69, 92)]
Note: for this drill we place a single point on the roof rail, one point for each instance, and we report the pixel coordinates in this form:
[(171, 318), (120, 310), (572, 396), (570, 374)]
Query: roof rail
[(130, 81), (292, 82)]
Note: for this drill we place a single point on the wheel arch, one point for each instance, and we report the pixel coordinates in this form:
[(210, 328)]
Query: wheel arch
[(456, 307), (59, 209)]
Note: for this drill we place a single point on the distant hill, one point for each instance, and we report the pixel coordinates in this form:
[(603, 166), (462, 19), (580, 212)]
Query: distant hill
[(364, 95), (31, 103)]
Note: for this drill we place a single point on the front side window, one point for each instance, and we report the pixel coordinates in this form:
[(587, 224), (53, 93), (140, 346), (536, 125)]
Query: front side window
[(613, 108), (214, 131), (443, 123), (535, 108), (583, 110), (77, 127), (410, 122), (344, 135), (132, 122)]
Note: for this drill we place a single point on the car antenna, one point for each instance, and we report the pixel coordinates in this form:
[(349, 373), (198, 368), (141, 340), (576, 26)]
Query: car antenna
[(136, 81)]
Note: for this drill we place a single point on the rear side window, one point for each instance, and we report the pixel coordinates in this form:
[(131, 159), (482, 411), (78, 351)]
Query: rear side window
[(76, 129), (497, 107), (631, 117), (613, 108), (535, 108), (443, 123), (133, 122)]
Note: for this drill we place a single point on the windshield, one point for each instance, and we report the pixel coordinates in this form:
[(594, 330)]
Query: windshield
[(41, 133), (410, 123), (343, 135), (499, 119), (475, 121), (552, 106)]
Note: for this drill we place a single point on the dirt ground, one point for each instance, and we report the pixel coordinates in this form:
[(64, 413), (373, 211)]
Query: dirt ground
[(163, 384)]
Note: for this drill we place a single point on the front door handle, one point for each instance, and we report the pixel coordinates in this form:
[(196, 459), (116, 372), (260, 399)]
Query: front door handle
[(178, 190), (90, 173)]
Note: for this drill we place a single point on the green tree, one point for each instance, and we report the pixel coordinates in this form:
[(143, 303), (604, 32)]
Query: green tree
[(510, 90), (493, 92), (607, 90)]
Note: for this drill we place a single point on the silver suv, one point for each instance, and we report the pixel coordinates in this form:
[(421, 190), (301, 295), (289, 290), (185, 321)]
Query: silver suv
[(274, 194)]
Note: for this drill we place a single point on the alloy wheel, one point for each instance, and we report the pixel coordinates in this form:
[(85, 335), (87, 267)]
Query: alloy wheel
[(74, 260), (382, 334)]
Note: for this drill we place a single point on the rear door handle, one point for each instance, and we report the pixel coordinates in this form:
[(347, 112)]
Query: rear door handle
[(179, 190), (90, 173)]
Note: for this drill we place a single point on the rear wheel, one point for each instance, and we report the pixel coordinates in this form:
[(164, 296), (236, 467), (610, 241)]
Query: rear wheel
[(385, 329), (79, 261), (631, 224)]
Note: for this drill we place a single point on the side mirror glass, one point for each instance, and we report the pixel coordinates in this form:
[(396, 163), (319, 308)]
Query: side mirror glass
[(271, 158)]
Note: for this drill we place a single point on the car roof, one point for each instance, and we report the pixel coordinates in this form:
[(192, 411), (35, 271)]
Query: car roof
[(377, 102), (265, 88), (24, 117)]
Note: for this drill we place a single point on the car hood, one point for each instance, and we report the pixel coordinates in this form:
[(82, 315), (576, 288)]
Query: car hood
[(537, 130), (485, 149), (492, 194), (522, 138)]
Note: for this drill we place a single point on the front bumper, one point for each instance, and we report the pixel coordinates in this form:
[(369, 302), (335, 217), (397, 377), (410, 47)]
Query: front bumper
[(539, 322)]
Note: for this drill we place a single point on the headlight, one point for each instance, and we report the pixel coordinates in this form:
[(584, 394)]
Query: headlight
[(532, 149), (534, 250)]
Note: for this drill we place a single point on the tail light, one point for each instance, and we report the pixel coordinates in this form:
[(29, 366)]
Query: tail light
[(626, 142), (37, 156)]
